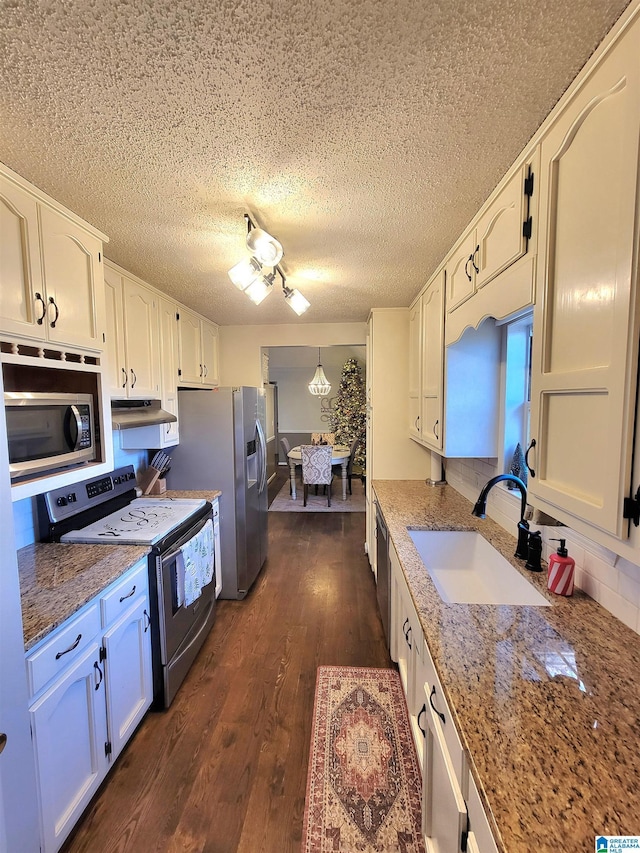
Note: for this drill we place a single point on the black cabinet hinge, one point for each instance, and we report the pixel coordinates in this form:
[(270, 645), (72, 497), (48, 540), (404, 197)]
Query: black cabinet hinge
[(631, 508), (99, 257), (177, 316), (527, 228), (107, 748), (464, 836), (528, 183), (179, 372), (103, 653)]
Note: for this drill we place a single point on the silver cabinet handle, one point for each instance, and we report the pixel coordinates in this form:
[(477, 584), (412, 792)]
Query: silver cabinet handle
[(124, 383), (134, 378), (435, 431), (417, 421), (526, 457), (148, 621), (97, 667)]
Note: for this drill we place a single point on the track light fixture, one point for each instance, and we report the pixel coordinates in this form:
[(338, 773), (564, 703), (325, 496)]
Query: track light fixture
[(247, 274)]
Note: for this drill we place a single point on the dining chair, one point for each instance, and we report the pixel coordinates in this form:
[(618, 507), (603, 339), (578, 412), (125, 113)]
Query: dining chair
[(316, 468), (355, 444)]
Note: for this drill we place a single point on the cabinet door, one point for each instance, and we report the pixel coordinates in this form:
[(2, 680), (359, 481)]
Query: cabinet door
[(169, 381), (190, 349), (141, 340), (432, 363), (460, 273), (72, 275), (415, 349), (210, 359), (116, 368), (129, 686), (69, 735), (499, 231), (585, 320), (445, 807), (22, 305)]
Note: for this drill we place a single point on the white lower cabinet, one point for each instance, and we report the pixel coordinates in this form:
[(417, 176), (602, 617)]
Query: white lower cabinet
[(91, 684), (453, 818), (69, 727)]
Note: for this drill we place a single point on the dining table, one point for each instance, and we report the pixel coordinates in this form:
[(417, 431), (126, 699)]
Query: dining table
[(339, 456)]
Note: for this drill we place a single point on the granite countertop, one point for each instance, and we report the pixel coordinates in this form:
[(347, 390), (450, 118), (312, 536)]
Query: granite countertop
[(546, 699), (56, 580), (203, 494)]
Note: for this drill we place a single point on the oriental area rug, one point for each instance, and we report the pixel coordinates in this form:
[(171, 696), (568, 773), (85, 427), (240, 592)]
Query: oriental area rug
[(363, 783)]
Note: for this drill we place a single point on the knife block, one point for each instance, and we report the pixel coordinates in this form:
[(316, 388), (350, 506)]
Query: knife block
[(148, 479), (158, 488)]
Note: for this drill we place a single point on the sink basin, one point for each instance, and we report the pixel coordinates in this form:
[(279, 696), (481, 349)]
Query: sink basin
[(467, 569)]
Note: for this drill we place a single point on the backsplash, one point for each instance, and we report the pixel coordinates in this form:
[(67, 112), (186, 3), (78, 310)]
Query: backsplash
[(611, 580), (25, 516)]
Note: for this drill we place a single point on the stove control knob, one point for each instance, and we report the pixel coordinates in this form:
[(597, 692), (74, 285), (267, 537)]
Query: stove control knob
[(61, 501), (71, 497), (131, 475)]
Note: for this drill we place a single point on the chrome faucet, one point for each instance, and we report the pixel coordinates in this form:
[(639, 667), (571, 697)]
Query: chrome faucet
[(480, 510)]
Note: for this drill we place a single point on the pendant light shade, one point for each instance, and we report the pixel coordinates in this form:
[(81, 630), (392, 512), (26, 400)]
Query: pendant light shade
[(296, 300), (319, 385), (264, 247), (244, 273)]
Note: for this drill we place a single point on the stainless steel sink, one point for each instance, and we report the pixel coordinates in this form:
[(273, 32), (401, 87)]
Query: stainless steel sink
[(466, 569)]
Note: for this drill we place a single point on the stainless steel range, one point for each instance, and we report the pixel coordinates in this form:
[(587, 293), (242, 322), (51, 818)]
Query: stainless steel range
[(106, 510)]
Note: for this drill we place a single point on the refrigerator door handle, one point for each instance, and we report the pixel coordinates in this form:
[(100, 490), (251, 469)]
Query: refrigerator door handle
[(262, 457)]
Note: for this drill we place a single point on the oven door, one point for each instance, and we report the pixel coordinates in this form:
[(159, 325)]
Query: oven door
[(182, 628)]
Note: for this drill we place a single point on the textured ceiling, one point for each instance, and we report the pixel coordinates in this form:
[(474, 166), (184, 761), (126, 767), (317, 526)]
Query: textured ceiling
[(364, 134)]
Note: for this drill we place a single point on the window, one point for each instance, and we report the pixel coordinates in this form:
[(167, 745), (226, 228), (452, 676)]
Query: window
[(517, 386)]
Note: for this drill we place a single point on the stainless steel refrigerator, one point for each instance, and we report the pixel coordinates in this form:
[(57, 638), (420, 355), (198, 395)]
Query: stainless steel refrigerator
[(222, 446)]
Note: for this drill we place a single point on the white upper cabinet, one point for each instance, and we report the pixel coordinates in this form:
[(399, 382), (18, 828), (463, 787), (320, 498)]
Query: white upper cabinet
[(415, 356), (169, 351), (133, 337), (432, 369), (198, 349), (502, 231), (585, 335), (498, 239), (20, 269), (461, 283), (51, 279)]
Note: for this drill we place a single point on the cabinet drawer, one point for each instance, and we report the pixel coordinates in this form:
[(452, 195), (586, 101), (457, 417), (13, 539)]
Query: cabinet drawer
[(61, 648), (118, 598), (435, 698)]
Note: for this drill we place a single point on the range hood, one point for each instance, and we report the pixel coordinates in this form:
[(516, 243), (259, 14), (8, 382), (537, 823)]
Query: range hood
[(127, 414)]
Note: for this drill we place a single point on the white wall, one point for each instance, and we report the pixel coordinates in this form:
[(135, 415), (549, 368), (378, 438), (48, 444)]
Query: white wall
[(241, 346), (292, 368)]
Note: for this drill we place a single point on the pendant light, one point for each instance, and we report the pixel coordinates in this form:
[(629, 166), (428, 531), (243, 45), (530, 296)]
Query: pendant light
[(319, 385), (247, 275)]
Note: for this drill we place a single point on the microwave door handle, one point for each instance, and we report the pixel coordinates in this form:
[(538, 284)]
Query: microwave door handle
[(73, 415)]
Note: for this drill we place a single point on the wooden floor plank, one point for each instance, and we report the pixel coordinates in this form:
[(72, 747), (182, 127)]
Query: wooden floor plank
[(224, 769)]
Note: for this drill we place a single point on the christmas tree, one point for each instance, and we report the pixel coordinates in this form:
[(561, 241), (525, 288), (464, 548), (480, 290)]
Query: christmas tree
[(348, 417)]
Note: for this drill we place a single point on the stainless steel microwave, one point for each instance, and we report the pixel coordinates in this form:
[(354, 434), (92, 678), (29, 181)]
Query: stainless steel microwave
[(48, 432)]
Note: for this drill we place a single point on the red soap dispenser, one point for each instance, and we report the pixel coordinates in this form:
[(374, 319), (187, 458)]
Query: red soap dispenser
[(560, 574)]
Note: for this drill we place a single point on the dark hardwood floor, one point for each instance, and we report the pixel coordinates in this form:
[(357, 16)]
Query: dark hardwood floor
[(224, 769)]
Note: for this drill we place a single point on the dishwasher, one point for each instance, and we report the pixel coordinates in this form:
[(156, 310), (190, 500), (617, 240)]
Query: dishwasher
[(383, 572)]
